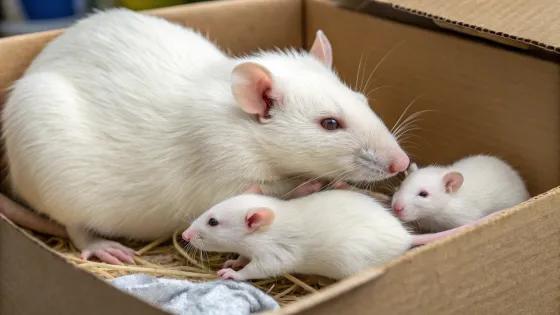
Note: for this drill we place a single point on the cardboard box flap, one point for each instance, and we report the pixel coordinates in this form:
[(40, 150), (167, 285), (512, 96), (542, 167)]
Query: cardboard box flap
[(534, 23)]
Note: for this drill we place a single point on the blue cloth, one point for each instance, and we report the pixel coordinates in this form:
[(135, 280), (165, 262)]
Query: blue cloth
[(183, 297)]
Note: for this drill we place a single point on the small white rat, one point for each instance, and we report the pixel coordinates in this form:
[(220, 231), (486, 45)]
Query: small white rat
[(126, 125), (335, 233), (444, 197)]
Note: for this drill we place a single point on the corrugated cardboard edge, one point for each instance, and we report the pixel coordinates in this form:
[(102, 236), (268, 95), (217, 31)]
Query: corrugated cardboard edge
[(404, 14), (479, 31), (357, 280), (150, 308)]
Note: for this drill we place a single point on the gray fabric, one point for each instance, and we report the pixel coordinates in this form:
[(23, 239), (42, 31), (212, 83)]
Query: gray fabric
[(206, 298)]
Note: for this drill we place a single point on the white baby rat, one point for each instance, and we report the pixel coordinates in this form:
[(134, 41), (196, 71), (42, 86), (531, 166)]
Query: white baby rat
[(445, 197), (335, 233), (126, 125)]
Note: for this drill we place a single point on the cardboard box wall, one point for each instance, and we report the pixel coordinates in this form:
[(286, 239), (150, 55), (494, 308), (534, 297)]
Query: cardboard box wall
[(486, 97)]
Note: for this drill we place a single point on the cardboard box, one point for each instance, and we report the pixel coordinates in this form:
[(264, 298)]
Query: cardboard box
[(488, 97)]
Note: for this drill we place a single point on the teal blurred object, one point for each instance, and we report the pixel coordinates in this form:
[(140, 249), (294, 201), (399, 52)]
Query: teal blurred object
[(29, 16)]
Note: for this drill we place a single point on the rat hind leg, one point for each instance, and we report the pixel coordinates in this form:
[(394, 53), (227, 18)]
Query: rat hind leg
[(107, 251)]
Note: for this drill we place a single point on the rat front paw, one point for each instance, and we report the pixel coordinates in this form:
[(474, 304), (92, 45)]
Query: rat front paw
[(311, 187), (306, 188), (108, 251), (236, 263), (229, 274)]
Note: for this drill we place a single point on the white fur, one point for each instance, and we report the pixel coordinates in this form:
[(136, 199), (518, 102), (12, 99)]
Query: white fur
[(489, 185), (126, 125), (334, 233)]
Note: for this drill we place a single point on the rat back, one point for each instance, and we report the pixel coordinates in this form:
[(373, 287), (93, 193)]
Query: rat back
[(490, 185), (95, 129), (341, 233)]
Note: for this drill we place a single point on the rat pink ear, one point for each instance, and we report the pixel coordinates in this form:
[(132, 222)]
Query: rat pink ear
[(412, 167), (321, 49), (452, 181), (259, 218), (251, 84), (253, 190)]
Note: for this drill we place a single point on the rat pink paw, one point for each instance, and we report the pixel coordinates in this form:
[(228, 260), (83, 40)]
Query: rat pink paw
[(306, 188), (341, 185), (229, 274), (236, 263), (110, 252)]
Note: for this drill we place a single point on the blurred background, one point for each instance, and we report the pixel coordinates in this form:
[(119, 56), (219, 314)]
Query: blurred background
[(29, 16)]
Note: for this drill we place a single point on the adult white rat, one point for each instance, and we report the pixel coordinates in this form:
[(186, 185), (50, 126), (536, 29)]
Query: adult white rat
[(126, 125), (335, 233), (445, 197)]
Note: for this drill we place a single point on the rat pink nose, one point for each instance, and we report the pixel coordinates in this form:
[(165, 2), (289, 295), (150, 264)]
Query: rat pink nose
[(187, 236), (400, 162), (398, 208)]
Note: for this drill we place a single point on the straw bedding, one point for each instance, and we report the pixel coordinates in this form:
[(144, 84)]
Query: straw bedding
[(169, 258)]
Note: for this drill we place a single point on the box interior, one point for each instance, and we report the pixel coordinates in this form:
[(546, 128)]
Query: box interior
[(485, 99)]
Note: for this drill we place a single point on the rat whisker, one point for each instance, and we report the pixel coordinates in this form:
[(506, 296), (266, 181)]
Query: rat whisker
[(409, 118), (406, 123), (405, 111), (207, 258), (392, 187), (339, 178), (417, 137), (406, 128), (408, 142), (190, 250), (408, 134), (411, 136), (309, 181), (411, 145), (378, 88), (412, 118), (205, 253), (358, 72), (360, 85), (381, 62), (200, 256), (399, 119)]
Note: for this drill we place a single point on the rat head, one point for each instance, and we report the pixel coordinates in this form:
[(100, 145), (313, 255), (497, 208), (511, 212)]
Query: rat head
[(226, 226), (425, 192), (307, 121)]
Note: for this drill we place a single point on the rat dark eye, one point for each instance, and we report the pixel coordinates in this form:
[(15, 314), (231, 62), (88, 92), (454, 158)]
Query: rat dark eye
[(212, 222), (423, 194), (330, 124)]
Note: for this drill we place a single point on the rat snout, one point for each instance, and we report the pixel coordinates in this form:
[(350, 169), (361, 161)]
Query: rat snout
[(399, 161), (188, 235), (398, 208)]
